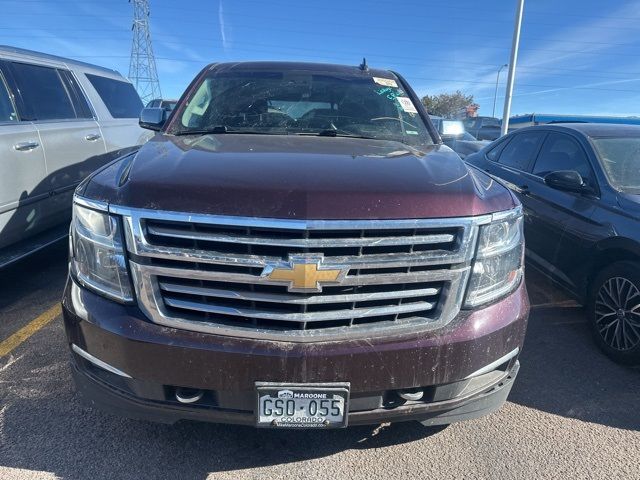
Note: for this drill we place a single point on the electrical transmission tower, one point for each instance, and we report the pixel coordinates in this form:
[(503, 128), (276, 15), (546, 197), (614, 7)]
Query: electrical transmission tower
[(142, 67)]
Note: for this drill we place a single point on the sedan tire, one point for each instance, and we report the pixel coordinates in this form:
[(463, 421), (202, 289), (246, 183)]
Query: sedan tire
[(614, 311)]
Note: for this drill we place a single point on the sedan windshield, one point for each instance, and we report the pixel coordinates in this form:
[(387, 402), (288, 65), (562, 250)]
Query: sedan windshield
[(620, 159), (303, 103)]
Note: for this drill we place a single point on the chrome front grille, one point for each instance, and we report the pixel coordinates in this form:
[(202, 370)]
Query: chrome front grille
[(207, 273), (295, 311)]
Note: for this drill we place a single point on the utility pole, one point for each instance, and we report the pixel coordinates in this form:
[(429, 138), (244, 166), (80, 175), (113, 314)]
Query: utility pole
[(512, 68), (142, 67), (495, 95)]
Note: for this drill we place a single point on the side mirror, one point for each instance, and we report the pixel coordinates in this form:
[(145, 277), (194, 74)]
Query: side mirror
[(152, 118), (568, 180)]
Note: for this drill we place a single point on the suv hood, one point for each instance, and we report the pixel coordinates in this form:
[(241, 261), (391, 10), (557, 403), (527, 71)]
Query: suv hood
[(306, 177)]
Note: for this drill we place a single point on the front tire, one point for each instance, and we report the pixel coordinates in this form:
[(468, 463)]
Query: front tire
[(614, 311)]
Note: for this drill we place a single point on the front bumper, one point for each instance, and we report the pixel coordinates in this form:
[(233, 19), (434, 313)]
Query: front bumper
[(448, 364)]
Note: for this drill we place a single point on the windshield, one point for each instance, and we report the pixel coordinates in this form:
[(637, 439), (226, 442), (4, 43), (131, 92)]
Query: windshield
[(303, 103), (620, 159), (452, 127)]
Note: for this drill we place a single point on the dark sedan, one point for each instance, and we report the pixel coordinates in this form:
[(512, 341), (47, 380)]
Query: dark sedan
[(580, 187)]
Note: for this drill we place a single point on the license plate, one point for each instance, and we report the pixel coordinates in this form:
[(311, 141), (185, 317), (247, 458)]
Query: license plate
[(302, 406)]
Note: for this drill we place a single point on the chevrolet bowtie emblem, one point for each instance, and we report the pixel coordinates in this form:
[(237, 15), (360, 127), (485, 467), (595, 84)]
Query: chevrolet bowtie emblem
[(305, 273)]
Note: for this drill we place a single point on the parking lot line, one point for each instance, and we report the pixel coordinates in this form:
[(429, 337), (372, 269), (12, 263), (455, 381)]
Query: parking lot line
[(7, 345)]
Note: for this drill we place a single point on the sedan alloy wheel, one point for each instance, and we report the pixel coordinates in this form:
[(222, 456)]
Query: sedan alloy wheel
[(617, 313)]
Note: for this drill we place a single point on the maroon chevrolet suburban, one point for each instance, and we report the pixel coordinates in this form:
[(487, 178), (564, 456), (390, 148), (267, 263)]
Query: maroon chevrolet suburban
[(295, 248)]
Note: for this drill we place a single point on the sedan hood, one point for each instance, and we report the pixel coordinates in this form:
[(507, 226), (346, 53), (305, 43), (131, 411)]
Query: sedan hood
[(305, 177), (474, 145), (469, 147)]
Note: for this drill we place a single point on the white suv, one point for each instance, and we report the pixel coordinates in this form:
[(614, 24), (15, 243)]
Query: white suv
[(59, 120)]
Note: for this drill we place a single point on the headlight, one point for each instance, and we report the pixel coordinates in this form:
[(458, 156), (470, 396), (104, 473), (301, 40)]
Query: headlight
[(97, 259), (497, 269)]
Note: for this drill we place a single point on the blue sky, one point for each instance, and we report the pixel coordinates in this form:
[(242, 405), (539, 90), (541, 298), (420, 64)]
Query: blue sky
[(576, 56)]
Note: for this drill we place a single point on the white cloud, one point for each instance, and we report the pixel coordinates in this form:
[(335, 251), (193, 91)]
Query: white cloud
[(584, 44), (594, 37), (223, 30), (582, 48), (175, 44)]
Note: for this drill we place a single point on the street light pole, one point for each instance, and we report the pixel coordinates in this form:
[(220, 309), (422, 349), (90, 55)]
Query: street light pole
[(512, 68), (495, 95)]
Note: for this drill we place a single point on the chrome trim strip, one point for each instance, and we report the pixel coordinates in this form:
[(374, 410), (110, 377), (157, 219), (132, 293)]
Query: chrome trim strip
[(304, 242), (436, 257), (493, 365), (295, 299), (299, 317), (349, 280), (97, 362), (294, 224), (94, 204)]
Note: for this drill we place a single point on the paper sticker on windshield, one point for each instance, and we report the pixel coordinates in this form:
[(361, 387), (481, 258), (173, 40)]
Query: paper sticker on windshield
[(387, 82), (406, 104)]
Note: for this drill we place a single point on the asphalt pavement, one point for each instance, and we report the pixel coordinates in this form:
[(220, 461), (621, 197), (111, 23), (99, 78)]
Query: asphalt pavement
[(571, 414)]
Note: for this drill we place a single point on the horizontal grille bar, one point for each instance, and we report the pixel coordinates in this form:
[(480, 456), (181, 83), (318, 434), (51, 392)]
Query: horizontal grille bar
[(435, 257), (433, 239), (296, 299), (349, 280), (299, 317)]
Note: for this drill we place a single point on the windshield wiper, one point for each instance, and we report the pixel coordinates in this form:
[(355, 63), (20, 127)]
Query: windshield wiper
[(219, 129), (203, 131), (330, 132)]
